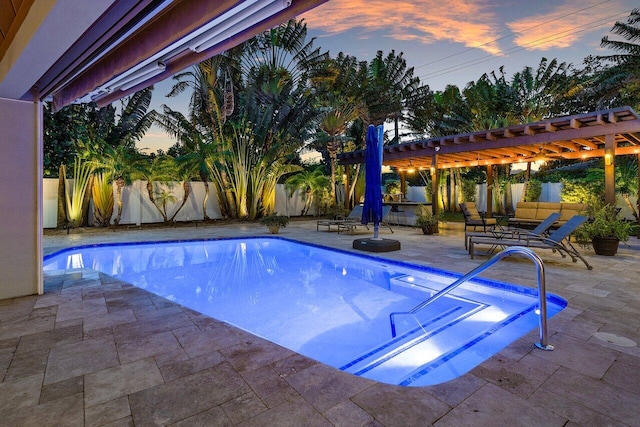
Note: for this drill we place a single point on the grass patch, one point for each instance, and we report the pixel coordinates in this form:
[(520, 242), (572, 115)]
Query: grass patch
[(453, 216)]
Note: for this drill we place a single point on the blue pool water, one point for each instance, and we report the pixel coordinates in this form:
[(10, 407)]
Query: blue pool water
[(330, 305)]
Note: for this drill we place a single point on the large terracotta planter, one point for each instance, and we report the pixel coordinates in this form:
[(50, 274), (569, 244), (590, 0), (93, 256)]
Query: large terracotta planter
[(274, 229), (607, 246), (429, 229)]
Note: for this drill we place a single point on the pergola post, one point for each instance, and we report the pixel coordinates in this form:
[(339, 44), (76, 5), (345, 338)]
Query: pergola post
[(347, 184), (609, 169), (638, 197), (434, 184), (489, 191), (403, 185)]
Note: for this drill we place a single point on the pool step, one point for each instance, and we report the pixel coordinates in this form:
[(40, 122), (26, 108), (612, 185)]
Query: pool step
[(407, 358), (421, 287)]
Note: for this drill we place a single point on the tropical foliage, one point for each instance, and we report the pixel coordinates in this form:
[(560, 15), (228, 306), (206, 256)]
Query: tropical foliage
[(76, 191), (255, 107), (604, 223), (311, 183), (102, 194), (619, 83)]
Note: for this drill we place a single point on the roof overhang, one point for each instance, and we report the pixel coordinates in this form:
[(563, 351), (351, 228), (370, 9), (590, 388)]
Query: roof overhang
[(573, 137), (131, 45)]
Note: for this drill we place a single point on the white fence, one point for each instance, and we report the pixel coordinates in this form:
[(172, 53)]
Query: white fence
[(550, 193), (138, 209)]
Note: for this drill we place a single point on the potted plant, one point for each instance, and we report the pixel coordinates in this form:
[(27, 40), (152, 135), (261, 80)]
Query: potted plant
[(426, 220), (604, 230), (274, 222)]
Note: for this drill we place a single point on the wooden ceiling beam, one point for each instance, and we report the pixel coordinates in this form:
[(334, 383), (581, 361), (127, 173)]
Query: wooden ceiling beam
[(567, 144), (586, 143), (633, 138)]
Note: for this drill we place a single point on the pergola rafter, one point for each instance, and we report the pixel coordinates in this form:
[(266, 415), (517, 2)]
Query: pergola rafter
[(574, 137), (605, 133)]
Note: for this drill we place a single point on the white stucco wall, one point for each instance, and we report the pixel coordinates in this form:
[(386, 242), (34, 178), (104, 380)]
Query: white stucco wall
[(20, 199)]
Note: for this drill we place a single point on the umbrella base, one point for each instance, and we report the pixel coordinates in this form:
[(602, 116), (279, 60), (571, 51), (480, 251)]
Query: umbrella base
[(372, 245)]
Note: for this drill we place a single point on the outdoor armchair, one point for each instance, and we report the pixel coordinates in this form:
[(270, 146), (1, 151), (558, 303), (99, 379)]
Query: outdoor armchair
[(472, 217)]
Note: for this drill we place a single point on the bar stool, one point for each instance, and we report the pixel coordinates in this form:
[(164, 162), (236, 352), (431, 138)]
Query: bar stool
[(398, 216)]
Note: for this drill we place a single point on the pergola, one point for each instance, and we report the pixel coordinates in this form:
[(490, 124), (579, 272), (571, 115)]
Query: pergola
[(605, 134)]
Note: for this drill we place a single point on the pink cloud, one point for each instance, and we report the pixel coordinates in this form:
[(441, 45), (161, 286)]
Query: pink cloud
[(427, 21), (560, 28)]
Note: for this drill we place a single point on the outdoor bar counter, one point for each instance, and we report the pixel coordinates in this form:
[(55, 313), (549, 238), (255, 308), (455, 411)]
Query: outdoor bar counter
[(403, 213)]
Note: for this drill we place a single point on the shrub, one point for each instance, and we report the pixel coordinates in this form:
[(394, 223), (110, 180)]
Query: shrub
[(583, 191), (469, 190), (604, 223), (275, 220), (534, 191), (425, 218), (392, 186)]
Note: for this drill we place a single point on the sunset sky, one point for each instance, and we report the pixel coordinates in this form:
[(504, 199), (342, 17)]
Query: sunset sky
[(454, 41)]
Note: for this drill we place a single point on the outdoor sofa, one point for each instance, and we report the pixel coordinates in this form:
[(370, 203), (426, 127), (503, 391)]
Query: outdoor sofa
[(530, 214)]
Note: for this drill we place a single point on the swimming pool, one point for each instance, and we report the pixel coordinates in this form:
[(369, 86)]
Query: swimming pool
[(327, 304)]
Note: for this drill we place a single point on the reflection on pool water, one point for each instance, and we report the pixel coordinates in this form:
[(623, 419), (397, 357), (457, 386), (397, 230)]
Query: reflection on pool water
[(330, 305)]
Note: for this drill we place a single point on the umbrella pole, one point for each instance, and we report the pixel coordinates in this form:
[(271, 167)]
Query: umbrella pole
[(375, 232)]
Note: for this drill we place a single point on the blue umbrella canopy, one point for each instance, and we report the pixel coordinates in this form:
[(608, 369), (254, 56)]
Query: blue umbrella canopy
[(372, 210)]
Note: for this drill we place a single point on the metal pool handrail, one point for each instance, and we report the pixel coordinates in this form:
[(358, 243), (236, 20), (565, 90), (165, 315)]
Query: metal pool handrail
[(542, 293)]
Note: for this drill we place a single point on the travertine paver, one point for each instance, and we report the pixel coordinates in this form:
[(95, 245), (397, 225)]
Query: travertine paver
[(492, 405), (95, 351), (122, 380), (187, 396), (70, 360)]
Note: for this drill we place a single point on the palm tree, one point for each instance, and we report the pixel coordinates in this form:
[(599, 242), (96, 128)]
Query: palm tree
[(538, 94), (391, 90), (75, 194), (340, 88), (254, 106), (277, 108), (124, 164), (277, 169), (161, 171), (276, 67), (197, 143), (311, 183), (334, 125), (162, 197), (619, 84), (202, 136)]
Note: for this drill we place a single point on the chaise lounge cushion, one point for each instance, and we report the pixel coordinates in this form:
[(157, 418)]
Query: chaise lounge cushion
[(526, 210), (545, 209), (568, 210)]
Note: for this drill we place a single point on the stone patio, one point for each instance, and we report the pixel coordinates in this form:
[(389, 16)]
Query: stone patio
[(96, 351)]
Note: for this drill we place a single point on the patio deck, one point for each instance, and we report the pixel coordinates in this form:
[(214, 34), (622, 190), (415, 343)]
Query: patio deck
[(95, 351)]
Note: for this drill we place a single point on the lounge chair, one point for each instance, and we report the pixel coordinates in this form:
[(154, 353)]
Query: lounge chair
[(354, 216), (472, 217), (542, 230), (556, 241), (350, 226)]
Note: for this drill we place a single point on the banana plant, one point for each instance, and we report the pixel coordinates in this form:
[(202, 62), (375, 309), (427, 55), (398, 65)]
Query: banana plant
[(103, 201), (75, 192)]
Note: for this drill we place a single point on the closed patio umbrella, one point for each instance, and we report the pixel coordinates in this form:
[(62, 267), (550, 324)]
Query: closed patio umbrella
[(372, 210)]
